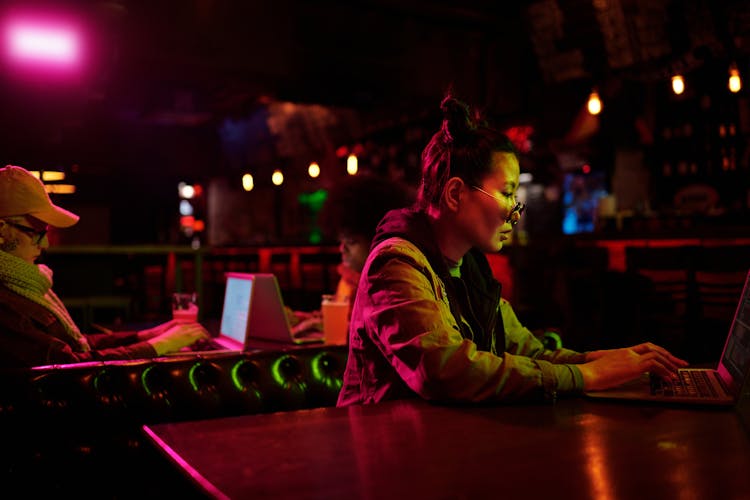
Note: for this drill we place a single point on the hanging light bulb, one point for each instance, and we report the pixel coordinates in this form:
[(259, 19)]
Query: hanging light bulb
[(595, 104), (313, 170), (352, 164), (735, 82), (678, 84), (247, 182), (277, 177)]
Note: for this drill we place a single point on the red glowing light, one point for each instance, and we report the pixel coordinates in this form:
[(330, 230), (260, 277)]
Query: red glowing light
[(520, 136), (187, 221), (342, 152), (586, 168)]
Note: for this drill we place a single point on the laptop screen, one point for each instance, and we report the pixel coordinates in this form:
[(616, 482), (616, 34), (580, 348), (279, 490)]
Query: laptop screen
[(736, 357), (234, 314)]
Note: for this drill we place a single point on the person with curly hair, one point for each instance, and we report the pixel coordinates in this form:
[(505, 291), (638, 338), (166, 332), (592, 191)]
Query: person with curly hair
[(352, 212)]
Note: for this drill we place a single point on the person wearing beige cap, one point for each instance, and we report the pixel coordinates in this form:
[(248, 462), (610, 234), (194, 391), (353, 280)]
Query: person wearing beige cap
[(35, 327)]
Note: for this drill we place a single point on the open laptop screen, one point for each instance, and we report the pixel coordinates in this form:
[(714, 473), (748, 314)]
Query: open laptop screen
[(736, 356), (234, 314)]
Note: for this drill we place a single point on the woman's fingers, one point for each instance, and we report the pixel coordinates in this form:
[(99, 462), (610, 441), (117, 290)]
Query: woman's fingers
[(649, 347), (654, 362), (664, 361)]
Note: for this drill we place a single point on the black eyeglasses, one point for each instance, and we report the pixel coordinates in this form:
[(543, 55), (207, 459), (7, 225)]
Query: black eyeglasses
[(36, 236), (518, 208)]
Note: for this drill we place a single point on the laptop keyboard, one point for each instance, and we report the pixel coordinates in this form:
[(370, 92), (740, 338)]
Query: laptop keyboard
[(690, 383)]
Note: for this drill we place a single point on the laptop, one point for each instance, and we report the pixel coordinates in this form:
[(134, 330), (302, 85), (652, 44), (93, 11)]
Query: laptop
[(724, 386), (267, 317), (232, 336), (253, 309)]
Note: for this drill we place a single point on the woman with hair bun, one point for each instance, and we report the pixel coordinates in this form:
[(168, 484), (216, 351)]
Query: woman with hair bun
[(428, 319)]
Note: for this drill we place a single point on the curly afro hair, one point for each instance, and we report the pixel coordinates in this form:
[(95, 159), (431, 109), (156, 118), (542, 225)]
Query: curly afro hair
[(357, 203)]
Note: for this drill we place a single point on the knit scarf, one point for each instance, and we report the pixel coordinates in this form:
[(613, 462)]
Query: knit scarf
[(35, 283)]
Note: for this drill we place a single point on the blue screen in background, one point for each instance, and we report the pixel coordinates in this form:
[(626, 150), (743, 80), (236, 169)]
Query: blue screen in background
[(581, 195), (236, 308)]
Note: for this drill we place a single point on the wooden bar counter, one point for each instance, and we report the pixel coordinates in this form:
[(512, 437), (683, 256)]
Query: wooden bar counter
[(575, 448)]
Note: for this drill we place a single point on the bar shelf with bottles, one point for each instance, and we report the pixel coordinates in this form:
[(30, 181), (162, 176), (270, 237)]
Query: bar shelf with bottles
[(701, 166)]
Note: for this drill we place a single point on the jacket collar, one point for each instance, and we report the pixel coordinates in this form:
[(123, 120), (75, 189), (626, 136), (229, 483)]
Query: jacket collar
[(413, 224), (480, 287)]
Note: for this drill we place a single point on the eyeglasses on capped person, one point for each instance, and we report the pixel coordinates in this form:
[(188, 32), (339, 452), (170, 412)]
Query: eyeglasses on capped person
[(35, 235), (518, 208)]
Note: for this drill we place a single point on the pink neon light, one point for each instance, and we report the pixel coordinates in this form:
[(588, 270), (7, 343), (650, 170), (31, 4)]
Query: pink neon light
[(43, 44)]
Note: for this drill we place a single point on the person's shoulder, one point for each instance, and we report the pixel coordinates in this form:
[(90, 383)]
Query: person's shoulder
[(397, 252), (15, 308), (12, 304), (398, 247)]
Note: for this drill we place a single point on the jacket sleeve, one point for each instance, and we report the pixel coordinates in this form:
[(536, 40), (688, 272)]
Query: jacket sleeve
[(114, 339), (34, 340), (412, 326), (520, 340)]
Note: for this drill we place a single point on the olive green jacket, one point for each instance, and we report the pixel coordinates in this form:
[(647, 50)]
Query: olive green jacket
[(414, 333)]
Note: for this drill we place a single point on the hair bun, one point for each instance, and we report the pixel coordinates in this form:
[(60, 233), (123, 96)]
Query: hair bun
[(457, 120)]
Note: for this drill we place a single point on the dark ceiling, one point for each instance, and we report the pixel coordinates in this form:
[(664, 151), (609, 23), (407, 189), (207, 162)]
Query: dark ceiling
[(361, 54), (204, 55), (189, 63), (399, 53), (165, 79)]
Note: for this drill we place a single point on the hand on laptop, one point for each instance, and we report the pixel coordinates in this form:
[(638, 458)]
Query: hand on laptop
[(296, 317), (311, 324), (613, 367), (158, 329), (304, 321), (177, 336)]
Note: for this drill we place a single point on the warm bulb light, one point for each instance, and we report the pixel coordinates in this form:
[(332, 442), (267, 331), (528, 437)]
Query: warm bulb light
[(247, 182), (60, 188), (595, 104), (313, 170), (185, 190), (678, 84), (352, 165), (53, 175), (277, 178), (735, 82)]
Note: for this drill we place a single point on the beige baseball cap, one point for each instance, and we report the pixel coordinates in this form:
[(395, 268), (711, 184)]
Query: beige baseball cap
[(23, 194)]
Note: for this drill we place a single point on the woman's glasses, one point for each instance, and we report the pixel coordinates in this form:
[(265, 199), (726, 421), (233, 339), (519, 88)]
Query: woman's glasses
[(36, 236), (517, 209)]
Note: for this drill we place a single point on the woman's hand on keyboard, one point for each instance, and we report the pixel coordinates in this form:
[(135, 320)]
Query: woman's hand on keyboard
[(297, 317), (613, 367), (158, 329), (178, 336)]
